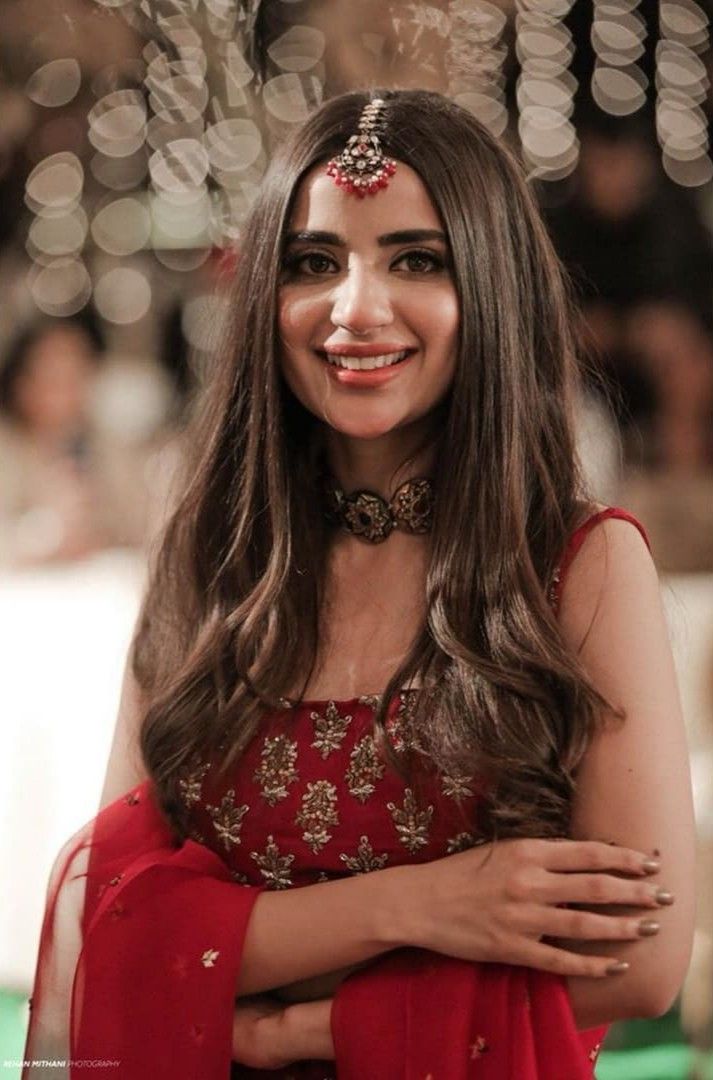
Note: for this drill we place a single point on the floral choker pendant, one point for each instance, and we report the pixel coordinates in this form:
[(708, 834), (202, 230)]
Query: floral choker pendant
[(372, 518)]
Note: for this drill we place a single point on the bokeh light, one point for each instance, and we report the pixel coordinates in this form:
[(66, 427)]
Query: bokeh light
[(62, 287), (545, 90), (55, 185), (117, 123), (292, 97), (682, 84), (50, 238), (122, 295), (476, 57), (203, 321), (122, 226), (55, 83), (182, 132)]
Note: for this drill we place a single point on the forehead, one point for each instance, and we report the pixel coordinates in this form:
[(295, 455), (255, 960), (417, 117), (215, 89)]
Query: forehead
[(404, 204)]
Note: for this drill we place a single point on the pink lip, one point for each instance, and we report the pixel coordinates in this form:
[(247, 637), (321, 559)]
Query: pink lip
[(365, 350), (361, 380)]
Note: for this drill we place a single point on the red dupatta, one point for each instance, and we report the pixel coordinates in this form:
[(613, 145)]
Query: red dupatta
[(139, 960), (139, 954)]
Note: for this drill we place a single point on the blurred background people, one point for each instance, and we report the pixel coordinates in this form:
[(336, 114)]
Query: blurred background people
[(642, 261), (50, 505), (75, 478)]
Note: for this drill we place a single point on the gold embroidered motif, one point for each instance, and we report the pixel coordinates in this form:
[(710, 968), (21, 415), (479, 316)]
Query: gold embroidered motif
[(372, 700), (478, 1048), (365, 860), (239, 878), (319, 809), (228, 819), (365, 769), (275, 868), (191, 785), (209, 957), (456, 787), (401, 727), (461, 842), (594, 1052), (331, 728), (277, 768), (321, 877), (411, 823), (196, 836)]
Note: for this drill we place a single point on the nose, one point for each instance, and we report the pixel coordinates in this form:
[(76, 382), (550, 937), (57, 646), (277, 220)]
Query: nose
[(361, 301)]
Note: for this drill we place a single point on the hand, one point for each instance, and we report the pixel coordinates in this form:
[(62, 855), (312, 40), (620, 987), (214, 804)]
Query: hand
[(266, 1035), (256, 1021), (319, 986), (497, 901)]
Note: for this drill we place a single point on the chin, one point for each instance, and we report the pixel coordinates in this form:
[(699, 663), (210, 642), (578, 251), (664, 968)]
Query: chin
[(355, 429)]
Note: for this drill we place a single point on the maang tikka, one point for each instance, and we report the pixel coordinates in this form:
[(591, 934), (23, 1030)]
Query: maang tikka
[(362, 167)]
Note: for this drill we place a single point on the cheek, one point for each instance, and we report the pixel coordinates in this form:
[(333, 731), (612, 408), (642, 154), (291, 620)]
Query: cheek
[(298, 317), (442, 319)]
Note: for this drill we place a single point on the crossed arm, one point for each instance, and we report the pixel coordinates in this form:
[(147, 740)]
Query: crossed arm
[(633, 789)]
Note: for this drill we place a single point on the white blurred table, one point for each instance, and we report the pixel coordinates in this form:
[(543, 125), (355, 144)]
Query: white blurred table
[(64, 634)]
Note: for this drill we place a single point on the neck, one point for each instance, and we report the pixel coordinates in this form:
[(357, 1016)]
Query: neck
[(378, 465)]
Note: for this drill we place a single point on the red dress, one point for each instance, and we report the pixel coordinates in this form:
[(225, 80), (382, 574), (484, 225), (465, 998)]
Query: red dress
[(142, 937)]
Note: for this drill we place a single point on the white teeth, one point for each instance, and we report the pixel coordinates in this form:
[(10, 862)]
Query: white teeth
[(366, 363)]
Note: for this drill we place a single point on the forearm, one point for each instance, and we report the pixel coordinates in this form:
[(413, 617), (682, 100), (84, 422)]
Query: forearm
[(657, 967), (605, 1001), (302, 933)]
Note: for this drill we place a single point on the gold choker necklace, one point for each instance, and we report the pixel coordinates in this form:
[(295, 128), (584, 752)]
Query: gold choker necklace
[(372, 518)]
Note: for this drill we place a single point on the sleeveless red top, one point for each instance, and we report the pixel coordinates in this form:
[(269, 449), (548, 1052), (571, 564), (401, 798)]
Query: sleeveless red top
[(312, 797)]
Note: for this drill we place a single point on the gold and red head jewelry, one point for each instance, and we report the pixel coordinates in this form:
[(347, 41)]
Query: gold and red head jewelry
[(362, 167)]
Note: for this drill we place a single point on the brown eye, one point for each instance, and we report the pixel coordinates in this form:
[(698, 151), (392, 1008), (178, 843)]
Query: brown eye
[(311, 263), (422, 262)]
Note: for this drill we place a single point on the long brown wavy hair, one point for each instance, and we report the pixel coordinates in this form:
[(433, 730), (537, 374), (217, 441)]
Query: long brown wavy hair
[(231, 617)]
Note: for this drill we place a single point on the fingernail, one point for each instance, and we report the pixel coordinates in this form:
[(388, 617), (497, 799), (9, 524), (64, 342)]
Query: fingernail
[(618, 967), (648, 927), (663, 896), (651, 866)]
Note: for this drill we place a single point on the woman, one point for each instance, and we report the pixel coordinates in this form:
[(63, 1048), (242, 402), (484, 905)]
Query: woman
[(49, 506), (408, 716)]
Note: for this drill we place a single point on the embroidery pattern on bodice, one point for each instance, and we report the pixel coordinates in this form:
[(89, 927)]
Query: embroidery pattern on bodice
[(314, 797)]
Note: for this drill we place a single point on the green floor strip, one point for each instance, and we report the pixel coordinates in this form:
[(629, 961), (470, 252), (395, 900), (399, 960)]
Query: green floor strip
[(13, 1024), (653, 1063)]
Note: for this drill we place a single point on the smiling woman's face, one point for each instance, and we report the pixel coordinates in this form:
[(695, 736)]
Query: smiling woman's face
[(363, 282)]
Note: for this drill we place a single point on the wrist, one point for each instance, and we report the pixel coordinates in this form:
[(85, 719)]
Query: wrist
[(305, 1032), (396, 915)]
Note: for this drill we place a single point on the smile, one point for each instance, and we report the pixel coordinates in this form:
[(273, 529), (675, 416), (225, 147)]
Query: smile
[(366, 363)]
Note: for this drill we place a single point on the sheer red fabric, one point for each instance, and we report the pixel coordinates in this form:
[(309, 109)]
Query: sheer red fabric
[(142, 937), (139, 953)]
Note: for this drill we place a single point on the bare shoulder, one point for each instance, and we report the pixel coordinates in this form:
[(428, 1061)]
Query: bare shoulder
[(612, 576)]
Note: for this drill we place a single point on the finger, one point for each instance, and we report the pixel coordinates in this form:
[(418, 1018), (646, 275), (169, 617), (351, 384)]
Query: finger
[(562, 962), (591, 926), (573, 855), (599, 888)]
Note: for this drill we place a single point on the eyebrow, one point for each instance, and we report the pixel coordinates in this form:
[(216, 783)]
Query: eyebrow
[(403, 236)]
